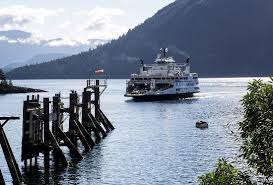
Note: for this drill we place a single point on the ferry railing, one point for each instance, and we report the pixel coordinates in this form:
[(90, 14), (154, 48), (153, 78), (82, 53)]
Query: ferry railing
[(171, 64)]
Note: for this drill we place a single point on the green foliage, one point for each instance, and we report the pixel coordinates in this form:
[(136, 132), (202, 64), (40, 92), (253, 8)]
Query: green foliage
[(225, 174), (257, 127), (2, 75)]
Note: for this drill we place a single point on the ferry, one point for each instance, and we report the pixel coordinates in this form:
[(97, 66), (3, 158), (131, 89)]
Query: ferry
[(163, 80)]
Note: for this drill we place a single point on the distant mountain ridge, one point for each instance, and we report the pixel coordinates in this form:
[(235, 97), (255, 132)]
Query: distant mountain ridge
[(224, 38), (17, 46), (37, 59)]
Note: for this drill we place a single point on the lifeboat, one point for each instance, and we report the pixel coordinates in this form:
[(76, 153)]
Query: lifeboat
[(202, 124)]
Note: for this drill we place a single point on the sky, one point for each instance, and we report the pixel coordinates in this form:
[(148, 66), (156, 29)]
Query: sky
[(71, 22)]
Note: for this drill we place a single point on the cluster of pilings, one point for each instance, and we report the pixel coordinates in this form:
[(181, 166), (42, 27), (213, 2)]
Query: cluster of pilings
[(43, 127)]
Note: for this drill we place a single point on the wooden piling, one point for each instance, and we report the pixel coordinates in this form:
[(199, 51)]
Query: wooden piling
[(86, 134), (57, 129), (98, 115), (97, 124), (32, 137), (72, 117), (69, 144), (105, 119), (86, 110), (46, 133), (2, 181), (12, 164), (76, 130), (49, 139), (56, 122)]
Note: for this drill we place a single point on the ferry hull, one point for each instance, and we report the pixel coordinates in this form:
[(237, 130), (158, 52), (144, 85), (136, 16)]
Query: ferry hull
[(162, 97)]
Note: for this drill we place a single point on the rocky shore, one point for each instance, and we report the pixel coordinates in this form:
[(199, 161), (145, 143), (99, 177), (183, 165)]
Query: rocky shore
[(10, 89)]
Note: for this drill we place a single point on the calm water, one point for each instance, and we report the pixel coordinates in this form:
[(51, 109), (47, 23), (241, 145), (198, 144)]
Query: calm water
[(154, 143)]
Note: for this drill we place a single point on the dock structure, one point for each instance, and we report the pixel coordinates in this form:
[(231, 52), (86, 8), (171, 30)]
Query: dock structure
[(43, 129), (43, 122), (10, 159)]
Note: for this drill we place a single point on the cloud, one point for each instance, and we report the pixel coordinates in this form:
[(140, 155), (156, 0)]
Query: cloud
[(62, 42), (100, 22), (16, 17), (101, 18), (59, 27), (65, 25), (97, 25), (15, 34)]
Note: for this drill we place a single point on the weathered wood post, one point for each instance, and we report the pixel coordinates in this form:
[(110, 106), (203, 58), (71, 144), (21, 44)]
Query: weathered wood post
[(50, 141), (98, 112), (57, 129), (97, 105), (72, 117), (10, 159), (56, 122), (2, 181), (46, 134), (75, 127), (86, 119), (97, 98), (32, 130)]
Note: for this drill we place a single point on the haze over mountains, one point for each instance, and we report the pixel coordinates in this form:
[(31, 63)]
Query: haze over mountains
[(18, 48), (223, 37), (37, 59)]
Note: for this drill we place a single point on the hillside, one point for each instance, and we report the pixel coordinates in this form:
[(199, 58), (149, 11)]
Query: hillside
[(224, 38)]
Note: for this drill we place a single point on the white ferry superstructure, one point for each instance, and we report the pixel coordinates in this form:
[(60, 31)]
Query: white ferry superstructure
[(163, 80)]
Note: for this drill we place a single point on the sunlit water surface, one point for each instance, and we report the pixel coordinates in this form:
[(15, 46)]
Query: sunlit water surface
[(153, 143)]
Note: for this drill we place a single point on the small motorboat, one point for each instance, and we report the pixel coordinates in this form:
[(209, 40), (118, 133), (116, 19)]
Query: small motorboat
[(202, 124)]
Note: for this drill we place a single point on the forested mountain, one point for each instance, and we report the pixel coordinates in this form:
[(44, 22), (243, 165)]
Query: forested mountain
[(223, 38)]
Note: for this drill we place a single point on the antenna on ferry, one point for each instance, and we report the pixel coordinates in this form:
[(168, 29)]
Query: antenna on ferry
[(165, 50), (142, 62), (188, 60)]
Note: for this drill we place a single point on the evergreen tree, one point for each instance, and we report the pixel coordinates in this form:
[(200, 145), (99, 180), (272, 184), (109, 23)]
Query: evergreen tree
[(3, 78), (2, 75)]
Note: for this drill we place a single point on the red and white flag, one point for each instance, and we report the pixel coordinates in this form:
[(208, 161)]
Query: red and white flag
[(99, 71)]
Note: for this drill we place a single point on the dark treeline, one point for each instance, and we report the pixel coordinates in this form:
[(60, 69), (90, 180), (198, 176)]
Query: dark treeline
[(224, 38)]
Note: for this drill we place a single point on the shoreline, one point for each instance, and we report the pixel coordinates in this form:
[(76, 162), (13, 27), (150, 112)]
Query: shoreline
[(8, 89)]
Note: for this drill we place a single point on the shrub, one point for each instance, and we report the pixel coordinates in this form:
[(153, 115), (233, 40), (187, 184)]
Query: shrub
[(225, 174)]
